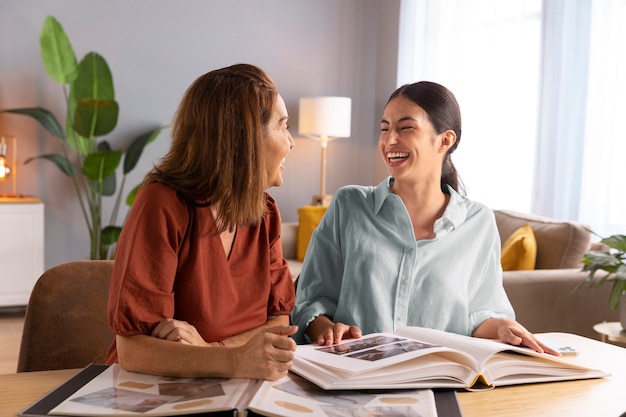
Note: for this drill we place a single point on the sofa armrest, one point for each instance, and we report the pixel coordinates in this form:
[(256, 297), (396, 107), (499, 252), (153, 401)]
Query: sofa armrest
[(543, 301)]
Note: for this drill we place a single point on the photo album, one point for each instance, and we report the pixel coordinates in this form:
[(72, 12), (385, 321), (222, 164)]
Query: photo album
[(415, 357), (103, 390)]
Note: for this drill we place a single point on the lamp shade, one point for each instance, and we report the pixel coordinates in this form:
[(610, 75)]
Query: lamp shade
[(329, 116)]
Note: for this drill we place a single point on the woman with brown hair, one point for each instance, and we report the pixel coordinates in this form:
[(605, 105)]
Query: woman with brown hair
[(200, 286), (413, 251)]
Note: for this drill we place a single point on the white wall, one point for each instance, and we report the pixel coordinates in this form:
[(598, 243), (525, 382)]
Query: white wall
[(156, 48)]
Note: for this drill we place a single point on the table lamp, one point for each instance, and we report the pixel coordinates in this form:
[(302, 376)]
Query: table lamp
[(324, 119)]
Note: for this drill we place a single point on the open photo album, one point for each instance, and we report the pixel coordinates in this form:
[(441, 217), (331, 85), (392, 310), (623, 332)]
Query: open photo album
[(102, 390), (415, 357)]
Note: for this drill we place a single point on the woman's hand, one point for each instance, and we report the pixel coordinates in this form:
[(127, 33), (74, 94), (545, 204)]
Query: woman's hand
[(178, 331), (268, 355), (513, 333), (325, 332)]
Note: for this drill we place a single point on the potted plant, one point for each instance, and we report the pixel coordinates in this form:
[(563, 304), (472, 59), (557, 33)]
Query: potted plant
[(91, 112), (613, 265)]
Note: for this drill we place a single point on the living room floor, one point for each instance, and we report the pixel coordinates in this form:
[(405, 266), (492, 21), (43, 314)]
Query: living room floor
[(11, 325)]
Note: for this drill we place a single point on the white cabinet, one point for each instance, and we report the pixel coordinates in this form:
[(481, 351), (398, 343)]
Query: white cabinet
[(21, 248)]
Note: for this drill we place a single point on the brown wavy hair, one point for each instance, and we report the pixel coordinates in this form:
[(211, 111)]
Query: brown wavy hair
[(216, 157), (444, 113)]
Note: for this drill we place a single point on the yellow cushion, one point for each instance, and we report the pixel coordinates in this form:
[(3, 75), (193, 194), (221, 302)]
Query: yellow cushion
[(519, 252), (310, 217)]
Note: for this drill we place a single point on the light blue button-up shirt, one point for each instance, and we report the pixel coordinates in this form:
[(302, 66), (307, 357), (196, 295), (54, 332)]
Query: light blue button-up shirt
[(364, 267)]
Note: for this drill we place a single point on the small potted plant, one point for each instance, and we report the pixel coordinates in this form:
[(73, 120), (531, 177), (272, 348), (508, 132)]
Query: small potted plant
[(613, 265)]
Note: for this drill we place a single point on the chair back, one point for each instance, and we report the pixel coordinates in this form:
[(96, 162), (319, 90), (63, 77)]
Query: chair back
[(66, 323)]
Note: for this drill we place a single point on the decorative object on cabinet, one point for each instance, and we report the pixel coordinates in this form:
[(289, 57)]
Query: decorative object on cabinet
[(91, 112), (324, 119), (8, 171)]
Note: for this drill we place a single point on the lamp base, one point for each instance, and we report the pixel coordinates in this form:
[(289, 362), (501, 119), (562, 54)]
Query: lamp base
[(321, 200)]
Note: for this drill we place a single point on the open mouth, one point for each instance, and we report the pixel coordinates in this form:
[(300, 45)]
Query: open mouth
[(397, 156)]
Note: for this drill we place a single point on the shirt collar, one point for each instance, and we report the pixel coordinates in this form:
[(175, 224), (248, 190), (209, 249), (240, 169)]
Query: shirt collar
[(454, 214), (382, 192)]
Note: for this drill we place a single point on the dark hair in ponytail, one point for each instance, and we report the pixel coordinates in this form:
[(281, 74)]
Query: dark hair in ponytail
[(445, 114)]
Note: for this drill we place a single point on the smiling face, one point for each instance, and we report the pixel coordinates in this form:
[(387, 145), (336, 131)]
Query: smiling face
[(277, 142), (409, 144)]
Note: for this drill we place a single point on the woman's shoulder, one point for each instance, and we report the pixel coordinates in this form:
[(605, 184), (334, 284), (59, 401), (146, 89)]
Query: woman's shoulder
[(354, 191), (159, 195), (473, 209)]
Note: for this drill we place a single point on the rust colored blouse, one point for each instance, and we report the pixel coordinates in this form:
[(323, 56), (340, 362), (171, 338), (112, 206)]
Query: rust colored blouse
[(168, 264)]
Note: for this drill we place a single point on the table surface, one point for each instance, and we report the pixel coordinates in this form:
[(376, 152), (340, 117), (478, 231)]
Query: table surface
[(592, 397)]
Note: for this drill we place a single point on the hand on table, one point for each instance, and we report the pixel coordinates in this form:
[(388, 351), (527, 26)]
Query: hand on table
[(268, 355)]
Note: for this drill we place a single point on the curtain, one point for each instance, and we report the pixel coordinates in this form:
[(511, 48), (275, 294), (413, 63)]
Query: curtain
[(562, 108), (486, 53), (603, 193)]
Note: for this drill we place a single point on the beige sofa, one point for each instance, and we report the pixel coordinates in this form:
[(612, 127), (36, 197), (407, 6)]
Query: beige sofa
[(542, 298)]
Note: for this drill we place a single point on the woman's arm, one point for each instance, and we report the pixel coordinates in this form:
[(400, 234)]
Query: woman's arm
[(266, 355), (183, 332)]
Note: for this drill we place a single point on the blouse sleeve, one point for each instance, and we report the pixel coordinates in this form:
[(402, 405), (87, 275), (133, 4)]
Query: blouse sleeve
[(320, 279), (146, 259), (487, 299), (282, 294)]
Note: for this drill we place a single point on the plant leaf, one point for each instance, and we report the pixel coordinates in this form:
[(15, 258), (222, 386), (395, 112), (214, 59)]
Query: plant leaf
[(616, 242), (60, 161), (619, 286), (130, 198), (600, 260), (109, 184), (57, 54), (136, 148), (110, 235), (101, 164), (94, 79), (92, 97), (45, 118), (95, 117)]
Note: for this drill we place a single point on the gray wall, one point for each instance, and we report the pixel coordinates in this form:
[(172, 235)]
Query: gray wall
[(156, 48)]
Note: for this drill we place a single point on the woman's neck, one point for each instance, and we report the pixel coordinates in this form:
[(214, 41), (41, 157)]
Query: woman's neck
[(425, 203)]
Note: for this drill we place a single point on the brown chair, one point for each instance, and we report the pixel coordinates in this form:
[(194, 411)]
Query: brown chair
[(66, 323)]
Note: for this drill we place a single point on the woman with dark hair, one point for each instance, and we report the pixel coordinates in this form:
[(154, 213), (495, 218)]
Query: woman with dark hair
[(413, 251), (200, 286)]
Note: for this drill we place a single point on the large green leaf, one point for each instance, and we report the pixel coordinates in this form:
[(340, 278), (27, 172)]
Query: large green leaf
[(99, 165), (94, 79), (109, 184), (110, 235), (616, 242), (95, 117), (59, 160), (136, 148), (44, 117), (57, 53), (92, 98), (619, 286)]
